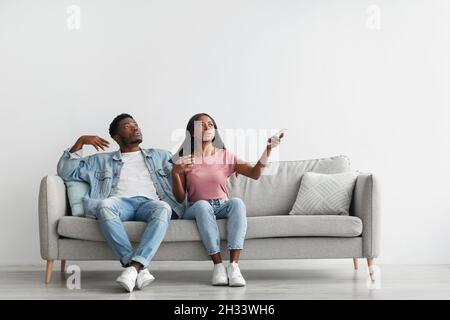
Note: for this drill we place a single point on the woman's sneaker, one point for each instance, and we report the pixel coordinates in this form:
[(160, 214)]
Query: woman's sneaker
[(144, 278), (219, 277), (235, 278)]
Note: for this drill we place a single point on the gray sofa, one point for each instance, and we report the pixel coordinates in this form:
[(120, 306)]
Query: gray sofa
[(271, 233)]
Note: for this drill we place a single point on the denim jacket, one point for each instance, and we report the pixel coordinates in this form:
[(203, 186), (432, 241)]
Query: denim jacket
[(102, 171)]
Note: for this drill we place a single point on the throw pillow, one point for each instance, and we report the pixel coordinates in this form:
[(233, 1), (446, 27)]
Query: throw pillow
[(75, 192), (324, 194)]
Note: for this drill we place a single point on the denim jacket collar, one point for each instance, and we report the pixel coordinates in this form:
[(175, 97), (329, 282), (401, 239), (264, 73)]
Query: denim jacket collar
[(146, 152), (117, 155)]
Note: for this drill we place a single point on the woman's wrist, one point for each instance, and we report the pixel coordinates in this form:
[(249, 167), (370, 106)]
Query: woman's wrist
[(265, 157), (177, 173)]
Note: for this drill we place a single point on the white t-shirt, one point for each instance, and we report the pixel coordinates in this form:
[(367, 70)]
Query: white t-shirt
[(135, 179)]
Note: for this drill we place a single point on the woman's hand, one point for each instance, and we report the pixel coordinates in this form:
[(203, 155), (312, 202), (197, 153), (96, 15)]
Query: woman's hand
[(183, 164), (255, 171), (179, 170), (274, 141)]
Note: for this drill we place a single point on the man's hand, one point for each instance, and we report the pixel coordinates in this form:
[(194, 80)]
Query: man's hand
[(95, 141)]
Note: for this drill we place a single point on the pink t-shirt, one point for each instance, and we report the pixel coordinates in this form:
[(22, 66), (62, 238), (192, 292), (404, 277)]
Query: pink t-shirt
[(208, 176)]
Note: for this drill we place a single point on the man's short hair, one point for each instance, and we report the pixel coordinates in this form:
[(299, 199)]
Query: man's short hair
[(115, 123)]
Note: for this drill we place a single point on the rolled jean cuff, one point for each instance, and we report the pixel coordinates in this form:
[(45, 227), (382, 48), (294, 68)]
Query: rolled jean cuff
[(141, 260), (235, 247), (125, 261)]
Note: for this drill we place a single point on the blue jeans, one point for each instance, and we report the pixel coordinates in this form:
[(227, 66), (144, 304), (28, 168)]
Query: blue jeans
[(112, 211), (205, 213)]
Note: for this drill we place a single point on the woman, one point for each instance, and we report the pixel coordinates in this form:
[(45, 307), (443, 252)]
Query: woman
[(201, 168)]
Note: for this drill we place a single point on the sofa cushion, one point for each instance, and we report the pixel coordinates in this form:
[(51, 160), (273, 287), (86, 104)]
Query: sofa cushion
[(258, 227), (276, 190), (76, 190), (325, 194)]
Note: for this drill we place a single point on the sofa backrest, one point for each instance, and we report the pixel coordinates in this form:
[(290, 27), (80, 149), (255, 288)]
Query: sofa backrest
[(276, 190)]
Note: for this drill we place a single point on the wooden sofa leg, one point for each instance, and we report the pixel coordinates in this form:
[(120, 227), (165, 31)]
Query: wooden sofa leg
[(370, 263), (355, 263), (48, 271), (63, 266)]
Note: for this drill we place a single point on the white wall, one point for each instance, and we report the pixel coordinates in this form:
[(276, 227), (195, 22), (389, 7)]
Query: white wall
[(313, 66)]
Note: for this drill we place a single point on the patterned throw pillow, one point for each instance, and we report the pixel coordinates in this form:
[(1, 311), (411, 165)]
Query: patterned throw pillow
[(324, 194)]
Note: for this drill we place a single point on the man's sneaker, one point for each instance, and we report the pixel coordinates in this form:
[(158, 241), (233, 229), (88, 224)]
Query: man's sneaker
[(235, 277), (219, 277), (128, 278), (144, 278)]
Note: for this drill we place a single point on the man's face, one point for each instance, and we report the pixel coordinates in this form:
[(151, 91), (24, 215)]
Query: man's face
[(128, 132)]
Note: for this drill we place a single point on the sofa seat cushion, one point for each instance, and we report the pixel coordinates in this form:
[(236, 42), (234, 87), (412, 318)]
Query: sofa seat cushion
[(258, 227)]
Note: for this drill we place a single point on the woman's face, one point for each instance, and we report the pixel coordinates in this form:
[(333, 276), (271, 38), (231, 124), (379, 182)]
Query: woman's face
[(204, 129)]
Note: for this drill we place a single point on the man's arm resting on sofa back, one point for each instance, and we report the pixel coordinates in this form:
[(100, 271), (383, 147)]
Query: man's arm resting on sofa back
[(72, 166)]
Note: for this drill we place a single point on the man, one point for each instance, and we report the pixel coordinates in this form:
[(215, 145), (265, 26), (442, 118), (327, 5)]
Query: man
[(131, 184)]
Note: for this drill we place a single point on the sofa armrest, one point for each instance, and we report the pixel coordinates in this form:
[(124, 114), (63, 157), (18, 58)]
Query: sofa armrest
[(365, 206), (52, 206)]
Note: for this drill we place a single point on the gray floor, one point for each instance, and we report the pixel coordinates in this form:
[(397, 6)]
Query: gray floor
[(280, 279)]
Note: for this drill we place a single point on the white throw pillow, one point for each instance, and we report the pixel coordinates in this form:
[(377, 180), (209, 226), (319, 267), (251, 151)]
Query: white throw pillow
[(324, 194)]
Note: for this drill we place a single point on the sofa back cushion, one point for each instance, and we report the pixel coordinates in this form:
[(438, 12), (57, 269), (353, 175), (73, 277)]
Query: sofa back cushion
[(276, 190)]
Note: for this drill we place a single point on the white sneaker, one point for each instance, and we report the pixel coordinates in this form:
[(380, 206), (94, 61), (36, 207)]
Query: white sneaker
[(235, 277), (144, 278), (127, 279), (219, 277)]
